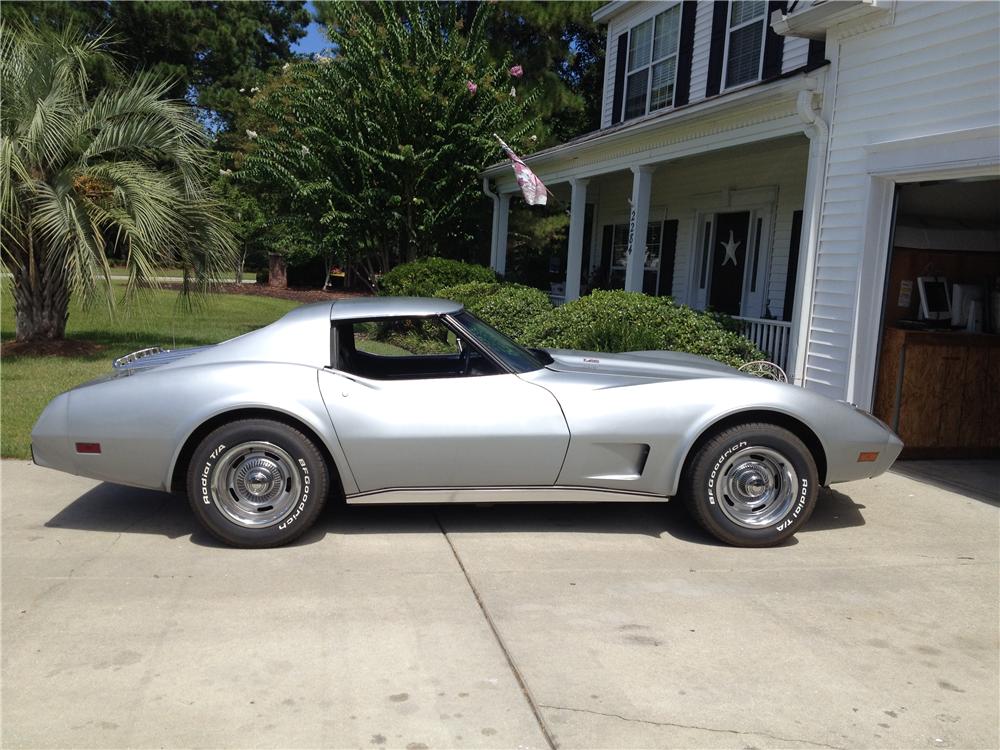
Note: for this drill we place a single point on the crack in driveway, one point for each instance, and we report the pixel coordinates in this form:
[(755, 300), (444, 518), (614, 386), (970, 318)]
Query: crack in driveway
[(688, 726)]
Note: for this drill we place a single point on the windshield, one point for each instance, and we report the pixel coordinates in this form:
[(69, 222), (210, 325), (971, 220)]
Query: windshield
[(515, 356)]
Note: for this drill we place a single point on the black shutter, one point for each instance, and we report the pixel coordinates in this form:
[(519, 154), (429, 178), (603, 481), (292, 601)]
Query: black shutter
[(668, 250), (607, 240), (774, 44), (682, 89), (622, 63), (793, 266), (817, 54), (720, 17)]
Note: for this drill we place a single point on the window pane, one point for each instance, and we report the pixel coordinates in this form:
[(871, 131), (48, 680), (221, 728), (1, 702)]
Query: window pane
[(667, 31), (653, 246), (743, 63), (746, 10), (662, 92), (639, 45), (404, 337), (635, 94), (513, 355)]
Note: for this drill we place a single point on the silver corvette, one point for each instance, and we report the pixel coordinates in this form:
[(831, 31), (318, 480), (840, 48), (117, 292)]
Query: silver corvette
[(401, 400)]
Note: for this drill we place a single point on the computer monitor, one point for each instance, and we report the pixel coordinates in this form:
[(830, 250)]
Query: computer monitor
[(935, 304)]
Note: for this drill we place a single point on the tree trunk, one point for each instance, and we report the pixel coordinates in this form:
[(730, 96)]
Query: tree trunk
[(41, 303), (277, 275), (241, 260)]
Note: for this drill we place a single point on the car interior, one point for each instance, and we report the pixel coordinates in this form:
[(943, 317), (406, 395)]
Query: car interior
[(407, 349)]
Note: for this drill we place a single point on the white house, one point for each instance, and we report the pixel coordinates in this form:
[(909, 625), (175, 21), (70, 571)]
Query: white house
[(751, 153)]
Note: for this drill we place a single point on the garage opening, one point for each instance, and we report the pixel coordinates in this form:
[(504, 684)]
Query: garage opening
[(938, 373)]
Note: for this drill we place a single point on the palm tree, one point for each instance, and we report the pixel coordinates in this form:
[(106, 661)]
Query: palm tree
[(81, 173)]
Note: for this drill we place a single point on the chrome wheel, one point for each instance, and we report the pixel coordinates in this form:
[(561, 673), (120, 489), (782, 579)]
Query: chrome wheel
[(756, 487), (256, 484)]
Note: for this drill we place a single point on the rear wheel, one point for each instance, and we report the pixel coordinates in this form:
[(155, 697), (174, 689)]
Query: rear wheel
[(752, 485), (257, 483)]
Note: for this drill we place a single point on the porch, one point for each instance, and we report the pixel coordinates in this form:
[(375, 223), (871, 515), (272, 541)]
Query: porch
[(706, 204), (719, 230)]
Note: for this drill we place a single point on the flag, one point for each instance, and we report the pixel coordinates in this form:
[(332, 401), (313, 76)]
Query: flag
[(534, 192)]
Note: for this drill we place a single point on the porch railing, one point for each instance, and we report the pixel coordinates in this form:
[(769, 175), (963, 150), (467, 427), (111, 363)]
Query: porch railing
[(770, 336)]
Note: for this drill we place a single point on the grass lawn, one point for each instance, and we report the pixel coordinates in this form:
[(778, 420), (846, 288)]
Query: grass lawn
[(28, 383)]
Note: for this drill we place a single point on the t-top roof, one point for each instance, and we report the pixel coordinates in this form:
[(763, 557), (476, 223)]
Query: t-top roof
[(391, 307)]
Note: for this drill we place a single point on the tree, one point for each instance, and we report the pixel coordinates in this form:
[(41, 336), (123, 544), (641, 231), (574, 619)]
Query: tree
[(80, 172), (379, 149), (208, 51), (561, 50), (250, 224)]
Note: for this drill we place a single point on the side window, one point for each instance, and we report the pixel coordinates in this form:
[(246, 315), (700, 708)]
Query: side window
[(405, 337), (407, 349)]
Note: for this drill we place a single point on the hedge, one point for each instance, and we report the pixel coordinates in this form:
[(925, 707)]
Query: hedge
[(509, 308), (425, 277), (618, 321)]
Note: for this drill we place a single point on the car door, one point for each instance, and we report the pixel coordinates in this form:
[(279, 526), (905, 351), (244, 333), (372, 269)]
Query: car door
[(417, 420)]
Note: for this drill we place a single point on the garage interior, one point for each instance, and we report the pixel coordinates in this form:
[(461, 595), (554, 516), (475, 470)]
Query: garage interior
[(938, 373)]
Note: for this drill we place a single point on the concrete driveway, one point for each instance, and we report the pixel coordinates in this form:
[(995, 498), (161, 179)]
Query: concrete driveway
[(607, 626)]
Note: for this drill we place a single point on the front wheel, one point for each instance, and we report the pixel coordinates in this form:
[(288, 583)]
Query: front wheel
[(752, 485), (257, 483)]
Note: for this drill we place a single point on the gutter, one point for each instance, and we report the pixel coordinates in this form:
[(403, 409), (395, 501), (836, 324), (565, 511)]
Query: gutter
[(814, 20), (817, 131)]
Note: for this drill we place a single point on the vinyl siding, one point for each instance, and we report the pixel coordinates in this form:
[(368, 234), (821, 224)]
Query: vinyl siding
[(931, 69), (795, 54), (702, 43)]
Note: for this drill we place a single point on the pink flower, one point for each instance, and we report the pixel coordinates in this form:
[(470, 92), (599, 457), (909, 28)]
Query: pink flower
[(517, 71), (471, 86)]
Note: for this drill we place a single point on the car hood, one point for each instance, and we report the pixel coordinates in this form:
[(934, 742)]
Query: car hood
[(657, 365)]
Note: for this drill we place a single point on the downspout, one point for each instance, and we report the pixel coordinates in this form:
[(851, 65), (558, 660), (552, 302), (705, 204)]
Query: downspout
[(496, 221), (817, 131)]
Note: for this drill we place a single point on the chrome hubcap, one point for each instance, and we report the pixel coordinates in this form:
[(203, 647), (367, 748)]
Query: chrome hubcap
[(757, 487), (255, 484)]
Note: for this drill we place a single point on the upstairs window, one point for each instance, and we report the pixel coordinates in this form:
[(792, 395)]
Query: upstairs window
[(745, 41), (652, 63)]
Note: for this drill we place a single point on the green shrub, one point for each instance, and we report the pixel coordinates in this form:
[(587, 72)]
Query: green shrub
[(509, 308), (617, 321), (423, 278)]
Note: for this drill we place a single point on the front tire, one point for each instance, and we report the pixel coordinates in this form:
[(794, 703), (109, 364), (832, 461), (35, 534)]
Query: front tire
[(752, 485), (257, 483)]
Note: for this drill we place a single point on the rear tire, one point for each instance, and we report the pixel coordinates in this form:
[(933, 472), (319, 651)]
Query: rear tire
[(752, 485), (257, 483)]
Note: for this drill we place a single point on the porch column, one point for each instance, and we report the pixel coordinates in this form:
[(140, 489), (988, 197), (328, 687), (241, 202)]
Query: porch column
[(574, 254), (498, 256), (635, 261)]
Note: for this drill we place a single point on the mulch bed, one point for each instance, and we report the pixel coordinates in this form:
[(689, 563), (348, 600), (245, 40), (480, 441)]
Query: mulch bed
[(62, 348), (296, 295)]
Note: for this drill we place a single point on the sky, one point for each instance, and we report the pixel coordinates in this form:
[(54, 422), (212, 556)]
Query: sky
[(315, 40)]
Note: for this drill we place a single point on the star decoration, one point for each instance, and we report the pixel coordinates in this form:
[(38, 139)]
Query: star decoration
[(731, 247)]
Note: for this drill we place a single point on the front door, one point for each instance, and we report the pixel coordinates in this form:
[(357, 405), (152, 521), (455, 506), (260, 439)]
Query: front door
[(729, 256)]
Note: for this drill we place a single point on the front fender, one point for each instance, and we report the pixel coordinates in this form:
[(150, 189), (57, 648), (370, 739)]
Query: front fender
[(842, 431)]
